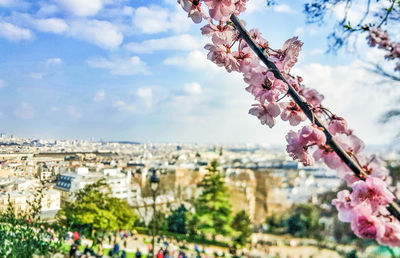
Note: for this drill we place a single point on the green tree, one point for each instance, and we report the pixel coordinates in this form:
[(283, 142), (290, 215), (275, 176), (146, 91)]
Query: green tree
[(177, 220), (192, 222), (160, 221), (213, 209), (93, 209), (242, 224), (304, 221), (25, 234)]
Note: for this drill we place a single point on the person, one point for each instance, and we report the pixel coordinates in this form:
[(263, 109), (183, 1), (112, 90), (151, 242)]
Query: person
[(123, 254), (116, 248), (72, 251), (138, 253), (182, 254), (166, 253), (100, 250), (76, 235), (160, 253)]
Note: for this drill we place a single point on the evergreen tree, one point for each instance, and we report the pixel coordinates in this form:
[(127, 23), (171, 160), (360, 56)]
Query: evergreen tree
[(242, 224), (213, 209), (177, 220), (304, 221)]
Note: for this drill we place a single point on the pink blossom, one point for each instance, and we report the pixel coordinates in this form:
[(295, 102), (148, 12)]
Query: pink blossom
[(395, 52), (266, 113), (193, 8), (378, 37), (240, 6), (337, 125), (343, 205), (222, 56), (330, 158), (247, 61), (264, 86), (290, 49), (373, 166), (312, 96), (297, 148), (294, 82), (255, 34), (365, 224), (298, 143), (220, 35), (391, 237), (373, 190), (220, 10), (312, 134), (292, 112), (350, 143)]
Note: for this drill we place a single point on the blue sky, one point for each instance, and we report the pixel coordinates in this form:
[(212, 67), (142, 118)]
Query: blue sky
[(136, 70)]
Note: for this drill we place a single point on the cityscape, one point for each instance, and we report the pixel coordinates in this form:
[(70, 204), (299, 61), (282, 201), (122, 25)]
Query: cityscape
[(264, 182), (199, 129)]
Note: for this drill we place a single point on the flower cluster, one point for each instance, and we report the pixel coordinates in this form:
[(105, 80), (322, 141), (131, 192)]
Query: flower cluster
[(365, 207), (379, 38)]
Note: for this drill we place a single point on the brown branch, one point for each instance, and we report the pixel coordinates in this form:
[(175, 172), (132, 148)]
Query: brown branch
[(393, 207)]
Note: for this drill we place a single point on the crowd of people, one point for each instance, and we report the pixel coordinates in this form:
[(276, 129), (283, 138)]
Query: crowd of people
[(168, 248)]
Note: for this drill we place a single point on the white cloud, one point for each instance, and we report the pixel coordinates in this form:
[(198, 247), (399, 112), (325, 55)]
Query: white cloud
[(256, 6), (38, 76), (155, 19), (24, 111), (73, 111), (127, 10), (12, 3), (82, 7), (317, 51), (99, 95), (47, 9), (101, 33), (53, 25), (123, 107), (13, 32), (180, 42), (193, 88), (351, 92), (146, 94), (2, 83), (120, 66), (194, 61), (54, 61), (284, 8), (299, 31), (151, 19)]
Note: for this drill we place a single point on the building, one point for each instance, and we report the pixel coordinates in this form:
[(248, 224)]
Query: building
[(19, 192), (119, 182)]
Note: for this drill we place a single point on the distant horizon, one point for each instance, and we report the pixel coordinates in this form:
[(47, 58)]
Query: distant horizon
[(122, 141)]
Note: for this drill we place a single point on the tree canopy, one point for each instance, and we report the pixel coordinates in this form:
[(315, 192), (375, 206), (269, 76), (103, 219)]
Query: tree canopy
[(94, 209), (24, 234), (242, 225)]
